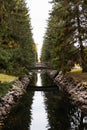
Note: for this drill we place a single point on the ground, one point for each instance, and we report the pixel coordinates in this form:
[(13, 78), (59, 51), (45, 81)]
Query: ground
[(5, 83), (77, 74)]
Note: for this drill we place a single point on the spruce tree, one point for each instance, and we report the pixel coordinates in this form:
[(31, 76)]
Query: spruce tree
[(16, 42)]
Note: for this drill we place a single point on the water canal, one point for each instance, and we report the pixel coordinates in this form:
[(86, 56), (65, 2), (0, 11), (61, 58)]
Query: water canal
[(50, 110)]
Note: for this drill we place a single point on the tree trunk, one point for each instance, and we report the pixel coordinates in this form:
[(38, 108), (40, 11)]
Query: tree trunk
[(81, 47)]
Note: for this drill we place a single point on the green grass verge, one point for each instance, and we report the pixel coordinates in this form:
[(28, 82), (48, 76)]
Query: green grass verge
[(7, 78), (5, 83)]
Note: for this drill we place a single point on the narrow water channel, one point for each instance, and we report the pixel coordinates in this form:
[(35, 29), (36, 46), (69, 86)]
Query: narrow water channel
[(48, 110), (39, 116)]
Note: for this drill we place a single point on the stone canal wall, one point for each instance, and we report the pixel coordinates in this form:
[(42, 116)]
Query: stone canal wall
[(76, 90), (10, 99)]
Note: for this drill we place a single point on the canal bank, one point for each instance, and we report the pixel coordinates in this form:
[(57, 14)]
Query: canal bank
[(45, 110), (11, 98), (76, 90)]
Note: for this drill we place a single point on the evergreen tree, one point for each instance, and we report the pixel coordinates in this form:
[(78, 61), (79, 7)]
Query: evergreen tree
[(56, 38), (16, 42), (66, 34)]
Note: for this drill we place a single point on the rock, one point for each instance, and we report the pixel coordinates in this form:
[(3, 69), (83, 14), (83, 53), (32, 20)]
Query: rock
[(10, 100), (85, 102), (75, 89), (84, 83), (85, 120), (79, 85), (84, 108), (4, 112), (1, 124), (80, 99), (13, 95), (0, 113), (58, 78), (53, 74)]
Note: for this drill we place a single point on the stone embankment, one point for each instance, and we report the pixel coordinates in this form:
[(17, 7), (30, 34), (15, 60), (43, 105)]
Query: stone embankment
[(76, 90), (10, 99)]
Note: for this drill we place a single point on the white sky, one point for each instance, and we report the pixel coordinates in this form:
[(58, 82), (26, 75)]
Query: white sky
[(39, 13)]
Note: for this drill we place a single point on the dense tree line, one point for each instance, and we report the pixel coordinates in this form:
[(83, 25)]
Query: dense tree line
[(65, 39), (17, 48)]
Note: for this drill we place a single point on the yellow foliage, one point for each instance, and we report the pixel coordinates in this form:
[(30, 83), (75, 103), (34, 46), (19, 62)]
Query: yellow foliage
[(12, 44)]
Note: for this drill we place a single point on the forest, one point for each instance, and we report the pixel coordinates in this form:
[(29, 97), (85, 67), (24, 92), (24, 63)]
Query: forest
[(17, 47), (65, 39), (64, 98)]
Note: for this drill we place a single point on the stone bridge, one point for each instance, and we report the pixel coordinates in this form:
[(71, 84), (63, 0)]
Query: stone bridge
[(40, 66)]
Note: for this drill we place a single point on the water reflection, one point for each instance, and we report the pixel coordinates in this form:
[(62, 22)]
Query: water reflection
[(39, 115), (38, 80), (20, 116), (45, 110), (62, 113)]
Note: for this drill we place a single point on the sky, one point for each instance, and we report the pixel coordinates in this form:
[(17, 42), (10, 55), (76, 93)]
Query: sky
[(39, 13)]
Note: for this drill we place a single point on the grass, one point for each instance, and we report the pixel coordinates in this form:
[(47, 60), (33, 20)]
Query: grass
[(78, 74), (6, 78), (5, 83)]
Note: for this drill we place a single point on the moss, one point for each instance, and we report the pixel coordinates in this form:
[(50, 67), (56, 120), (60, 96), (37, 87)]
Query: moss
[(24, 91), (85, 86), (15, 87)]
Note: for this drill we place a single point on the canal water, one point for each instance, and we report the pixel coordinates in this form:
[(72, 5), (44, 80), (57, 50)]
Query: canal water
[(48, 110)]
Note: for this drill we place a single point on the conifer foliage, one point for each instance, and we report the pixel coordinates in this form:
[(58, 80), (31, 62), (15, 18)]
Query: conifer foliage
[(65, 39), (17, 48)]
